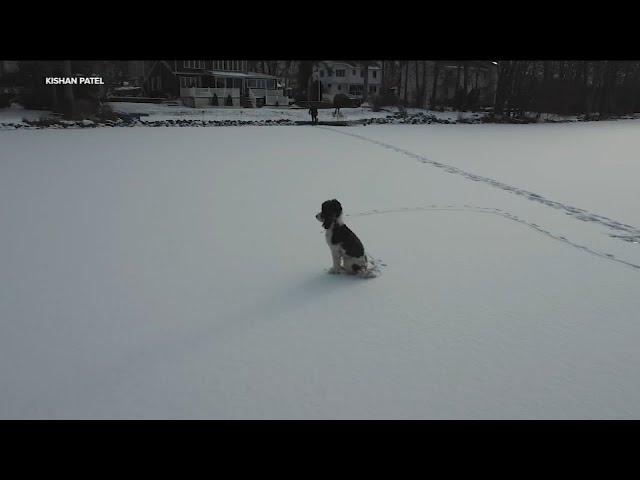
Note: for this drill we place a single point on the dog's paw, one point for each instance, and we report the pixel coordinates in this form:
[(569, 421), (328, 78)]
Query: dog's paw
[(334, 271)]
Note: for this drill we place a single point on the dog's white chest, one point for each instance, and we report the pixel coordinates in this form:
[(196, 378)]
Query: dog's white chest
[(335, 248), (328, 234)]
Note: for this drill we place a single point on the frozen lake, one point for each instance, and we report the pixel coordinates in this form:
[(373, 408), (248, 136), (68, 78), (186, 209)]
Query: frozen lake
[(180, 273)]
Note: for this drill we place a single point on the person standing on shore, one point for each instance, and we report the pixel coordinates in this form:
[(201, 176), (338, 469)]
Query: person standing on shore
[(313, 111)]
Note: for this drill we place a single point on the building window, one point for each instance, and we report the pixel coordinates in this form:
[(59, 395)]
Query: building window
[(339, 87), (256, 83), (375, 74), (353, 72), (322, 73), (233, 82), (189, 82), (361, 74), (340, 73), (232, 65), (355, 89), (193, 63), (372, 89)]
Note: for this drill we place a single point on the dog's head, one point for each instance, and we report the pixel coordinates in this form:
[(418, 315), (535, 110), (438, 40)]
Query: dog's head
[(331, 210)]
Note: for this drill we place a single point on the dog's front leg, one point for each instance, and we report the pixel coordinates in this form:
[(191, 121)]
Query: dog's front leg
[(335, 256)]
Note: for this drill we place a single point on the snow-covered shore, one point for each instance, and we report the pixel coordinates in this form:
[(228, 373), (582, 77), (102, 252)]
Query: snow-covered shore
[(166, 115)]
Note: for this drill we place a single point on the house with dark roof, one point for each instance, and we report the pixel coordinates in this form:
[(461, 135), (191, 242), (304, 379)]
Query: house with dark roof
[(199, 83)]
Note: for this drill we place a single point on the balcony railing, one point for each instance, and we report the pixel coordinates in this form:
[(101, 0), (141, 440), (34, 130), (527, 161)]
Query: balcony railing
[(209, 92), (263, 92), (271, 96)]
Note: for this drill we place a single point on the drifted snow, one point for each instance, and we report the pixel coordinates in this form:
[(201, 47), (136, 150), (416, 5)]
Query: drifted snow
[(180, 273)]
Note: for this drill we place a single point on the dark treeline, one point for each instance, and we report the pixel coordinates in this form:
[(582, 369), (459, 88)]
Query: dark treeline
[(598, 88), (517, 88)]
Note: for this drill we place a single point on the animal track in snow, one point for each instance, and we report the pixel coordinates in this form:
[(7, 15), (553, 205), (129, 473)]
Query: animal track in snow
[(504, 214), (631, 234)]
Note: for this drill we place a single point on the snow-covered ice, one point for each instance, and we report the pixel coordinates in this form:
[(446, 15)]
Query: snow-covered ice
[(180, 273)]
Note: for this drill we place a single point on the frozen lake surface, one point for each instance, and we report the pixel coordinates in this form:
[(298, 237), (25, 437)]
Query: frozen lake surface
[(180, 273)]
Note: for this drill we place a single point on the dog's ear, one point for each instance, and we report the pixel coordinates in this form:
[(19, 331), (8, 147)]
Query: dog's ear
[(338, 206)]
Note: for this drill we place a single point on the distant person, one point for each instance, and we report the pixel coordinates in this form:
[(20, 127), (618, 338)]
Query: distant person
[(339, 101), (313, 111)]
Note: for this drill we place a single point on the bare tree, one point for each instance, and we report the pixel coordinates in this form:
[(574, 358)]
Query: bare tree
[(305, 70), (406, 81), (465, 85), (415, 63), (365, 64), (423, 93), (505, 70), (434, 88)]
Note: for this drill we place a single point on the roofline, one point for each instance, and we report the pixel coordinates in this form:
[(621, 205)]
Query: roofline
[(351, 65), (238, 74)]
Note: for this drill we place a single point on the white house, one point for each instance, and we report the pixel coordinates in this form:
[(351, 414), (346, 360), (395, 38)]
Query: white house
[(346, 77)]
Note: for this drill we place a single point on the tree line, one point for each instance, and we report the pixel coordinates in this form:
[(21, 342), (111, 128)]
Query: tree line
[(521, 87), (598, 88)]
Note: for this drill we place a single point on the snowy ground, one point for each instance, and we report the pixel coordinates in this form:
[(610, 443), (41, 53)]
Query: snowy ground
[(157, 112), (16, 114), (179, 273), (152, 112), (160, 112)]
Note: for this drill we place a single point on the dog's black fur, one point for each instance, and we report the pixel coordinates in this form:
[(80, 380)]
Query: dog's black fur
[(341, 235)]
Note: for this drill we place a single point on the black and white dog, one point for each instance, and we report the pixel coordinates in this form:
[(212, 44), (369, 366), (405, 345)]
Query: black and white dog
[(345, 246)]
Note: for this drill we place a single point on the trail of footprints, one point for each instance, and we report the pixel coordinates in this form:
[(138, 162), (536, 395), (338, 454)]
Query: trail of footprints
[(501, 213), (623, 231)]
